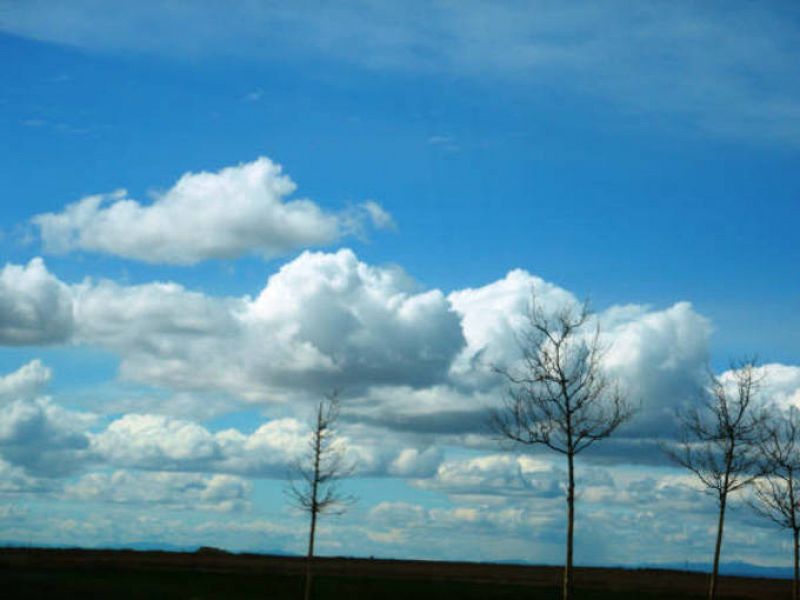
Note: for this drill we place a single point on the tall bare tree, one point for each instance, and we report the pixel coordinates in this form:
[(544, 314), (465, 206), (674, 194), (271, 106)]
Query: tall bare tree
[(719, 442), (559, 397), (313, 485), (777, 494)]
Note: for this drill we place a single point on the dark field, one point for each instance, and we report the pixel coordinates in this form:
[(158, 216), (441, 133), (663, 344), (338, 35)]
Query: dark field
[(37, 573)]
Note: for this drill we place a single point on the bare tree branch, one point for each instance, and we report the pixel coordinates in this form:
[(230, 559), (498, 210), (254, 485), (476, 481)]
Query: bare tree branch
[(559, 395), (313, 483), (777, 495), (720, 442)]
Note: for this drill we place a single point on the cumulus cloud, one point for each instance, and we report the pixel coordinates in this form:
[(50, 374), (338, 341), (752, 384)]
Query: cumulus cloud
[(497, 475), (26, 382), (324, 320), (407, 359), (436, 409), (493, 314), (343, 317), (401, 522), (35, 307), (155, 442), (661, 358), (223, 493), (778, 385), (235, 211), (658, 356), (16, 480), (37, 435), (42, 437), (165, 335)]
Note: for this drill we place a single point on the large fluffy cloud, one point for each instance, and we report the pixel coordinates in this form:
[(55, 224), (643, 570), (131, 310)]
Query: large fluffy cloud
[(661, 357), (492, 316), (352, 323), (322, 321), (235, 211), (35, 307), (407, 359), (658, 356)]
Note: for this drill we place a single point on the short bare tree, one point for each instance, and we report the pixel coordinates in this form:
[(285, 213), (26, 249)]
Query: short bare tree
[(313, 483), (777, 495), (720, 440), (560, 397)]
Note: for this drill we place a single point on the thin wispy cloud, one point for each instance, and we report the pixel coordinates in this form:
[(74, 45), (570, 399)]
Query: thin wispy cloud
[(728, 71)]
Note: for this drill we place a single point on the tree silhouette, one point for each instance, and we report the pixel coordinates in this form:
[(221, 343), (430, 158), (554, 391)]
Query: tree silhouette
[(719, 443), (313, 484), (777, 494), (559, 397)]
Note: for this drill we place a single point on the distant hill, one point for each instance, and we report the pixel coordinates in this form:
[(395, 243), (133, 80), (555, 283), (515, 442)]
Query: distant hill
[(735, 568)]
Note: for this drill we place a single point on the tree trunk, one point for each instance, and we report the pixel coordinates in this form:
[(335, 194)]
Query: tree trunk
[(566, 590), (712, 587), (796, 578), (310, 555)]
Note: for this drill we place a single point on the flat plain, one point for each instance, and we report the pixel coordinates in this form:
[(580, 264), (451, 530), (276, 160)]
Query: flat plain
[(122, 574)]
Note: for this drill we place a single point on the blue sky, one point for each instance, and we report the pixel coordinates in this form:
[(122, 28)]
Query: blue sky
[(643, 156)]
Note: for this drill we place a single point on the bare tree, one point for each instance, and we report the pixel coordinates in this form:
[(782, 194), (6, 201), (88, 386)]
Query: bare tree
[(560, 397), (719, 443), (313, 485), (777, 494)]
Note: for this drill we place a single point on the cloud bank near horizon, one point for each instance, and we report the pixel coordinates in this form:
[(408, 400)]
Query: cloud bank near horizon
[(414, 364)]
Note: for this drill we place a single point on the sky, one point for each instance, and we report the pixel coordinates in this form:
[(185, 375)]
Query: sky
[(214, 213)]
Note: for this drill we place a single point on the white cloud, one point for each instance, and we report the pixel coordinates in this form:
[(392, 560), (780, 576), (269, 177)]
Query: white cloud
[(322, 321), (406, 359), (777, 385), (780, 384), (26, 382), (166, 335), (402, 522), (155, 442), (493, 314), (497, 475), (42, 437), (411, 462), (16, 480), (37, 436), (378, 216), (188, 491), (235, 211), (435, 409), (35, 307), (661, 358), (354, 324), (658, 356)]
